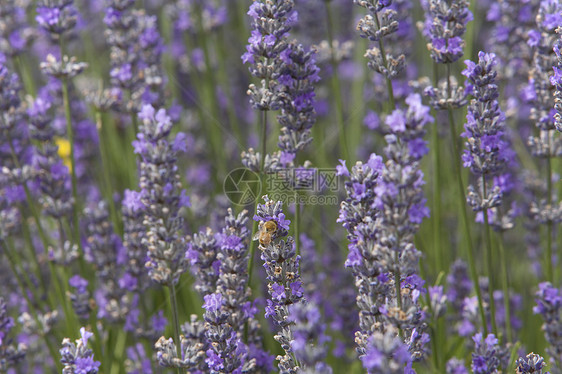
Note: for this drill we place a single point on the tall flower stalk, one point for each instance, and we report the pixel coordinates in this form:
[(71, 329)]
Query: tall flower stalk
[(382, 212), (445, 24), (285, 287), (136, 49), (335, 80), (548, 144), (271, 22), (162, 198), (58, 18), (549, 306), (486, 152), (299, 73), (380, 23)]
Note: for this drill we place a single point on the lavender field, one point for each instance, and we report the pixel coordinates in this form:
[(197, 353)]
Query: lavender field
[(292, 186)]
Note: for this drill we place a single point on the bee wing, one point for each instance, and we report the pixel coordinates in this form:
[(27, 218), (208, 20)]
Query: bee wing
[(256, 236)]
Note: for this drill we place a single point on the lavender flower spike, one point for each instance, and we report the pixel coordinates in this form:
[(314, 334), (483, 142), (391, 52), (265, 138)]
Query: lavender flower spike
[(232, 283), (356, 216), (531, 364), (380, 23), (299, 73), (9, 353), (166, 353), (281, 264), (56, 16), (228, 354), (309, 344), (549, 306), (485, 358), (445, 23), (486, 152), (556, 81), (78, 358), (272, 20), (162, 196), (444, 26), (136, 49)]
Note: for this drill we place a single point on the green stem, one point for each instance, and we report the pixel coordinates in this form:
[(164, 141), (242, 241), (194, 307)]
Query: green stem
[(491, 287), (263, 142), (462, 202), (210, 85), (25, 74), (70, 134), (117, 223), (61, 286), (549, 269), (223, 76), (35, 259), (466, 224), (9, 250), (133, 169), (336, 86), (135, 123), (397, 284), (435, 151), (253, 245), (505, 286), (97, 344), (433, 327), (297, 222), (174, 305), (119, 349), (30, 304), (436, 200), (354, 119), (30, 202)]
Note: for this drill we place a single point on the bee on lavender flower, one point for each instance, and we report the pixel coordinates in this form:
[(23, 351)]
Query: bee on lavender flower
[(266, 231)]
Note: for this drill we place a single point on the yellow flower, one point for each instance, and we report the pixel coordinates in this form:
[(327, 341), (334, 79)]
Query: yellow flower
[(64, 152)]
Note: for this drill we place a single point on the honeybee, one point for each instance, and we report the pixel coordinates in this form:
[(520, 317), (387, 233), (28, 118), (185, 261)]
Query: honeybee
[(266, 231)]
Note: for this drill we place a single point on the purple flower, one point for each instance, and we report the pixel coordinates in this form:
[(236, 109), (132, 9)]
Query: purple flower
[(139, 360), (56, 17), (385, 354), (372, 120), (78, 282), (78, 358), (278, 217), (213, 302), (341, 170), (280, 251), (445, 24), (531, 364), (309, 343), (298, 74), (271, 21), (132, 201), (278, 292), (161, 195), (456, 366), (486, 152), (396, 121), (86, 365), (128, 282), (487, 354), (135, 56)]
